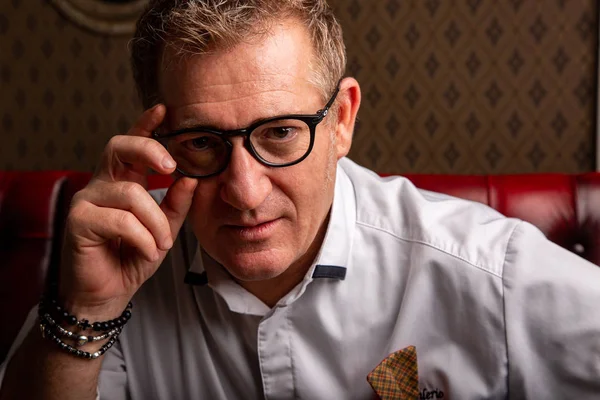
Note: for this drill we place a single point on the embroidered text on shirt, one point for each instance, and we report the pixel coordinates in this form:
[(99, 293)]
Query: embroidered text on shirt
[(434, 394)]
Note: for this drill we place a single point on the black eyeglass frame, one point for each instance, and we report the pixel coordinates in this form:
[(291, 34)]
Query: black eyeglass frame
[(312, 120)]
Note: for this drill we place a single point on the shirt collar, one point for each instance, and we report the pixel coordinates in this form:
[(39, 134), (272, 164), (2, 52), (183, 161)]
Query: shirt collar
[(337, 244)]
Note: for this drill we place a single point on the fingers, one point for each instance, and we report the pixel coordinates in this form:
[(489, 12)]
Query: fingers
[(177, 202), (116, 204), (148, 121), (128, 157), (134, 198), (93, 226), (132, 153), (125, 210)]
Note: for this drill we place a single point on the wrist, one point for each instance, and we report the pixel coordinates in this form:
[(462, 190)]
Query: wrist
[(100, 311), (83, 317)]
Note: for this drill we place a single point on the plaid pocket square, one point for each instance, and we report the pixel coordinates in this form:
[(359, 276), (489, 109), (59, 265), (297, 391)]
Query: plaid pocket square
[(397, 377)]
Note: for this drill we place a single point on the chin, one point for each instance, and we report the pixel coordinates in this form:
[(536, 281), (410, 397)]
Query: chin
[(256, 266)]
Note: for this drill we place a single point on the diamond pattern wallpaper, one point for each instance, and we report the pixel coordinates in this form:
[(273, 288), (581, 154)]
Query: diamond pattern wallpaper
[(65, 91), (449, 86)]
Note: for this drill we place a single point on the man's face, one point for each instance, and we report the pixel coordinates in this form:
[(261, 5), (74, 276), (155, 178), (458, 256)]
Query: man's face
[(256, 221)]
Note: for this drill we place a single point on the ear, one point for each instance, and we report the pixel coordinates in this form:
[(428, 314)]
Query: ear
[(348, 104)]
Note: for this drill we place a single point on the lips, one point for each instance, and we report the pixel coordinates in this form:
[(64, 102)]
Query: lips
[(253, 232)]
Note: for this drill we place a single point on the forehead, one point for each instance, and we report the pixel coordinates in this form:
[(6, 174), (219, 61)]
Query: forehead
[(275, 64)]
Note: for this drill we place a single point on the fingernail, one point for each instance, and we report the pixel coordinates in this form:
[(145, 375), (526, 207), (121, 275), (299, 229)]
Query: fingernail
[(194, 183), (168, 163), (167, 243)]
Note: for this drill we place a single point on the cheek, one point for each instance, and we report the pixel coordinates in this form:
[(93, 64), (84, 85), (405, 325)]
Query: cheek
[(309, 186)]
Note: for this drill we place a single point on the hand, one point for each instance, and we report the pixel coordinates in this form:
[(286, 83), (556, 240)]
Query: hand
[(116, 235)]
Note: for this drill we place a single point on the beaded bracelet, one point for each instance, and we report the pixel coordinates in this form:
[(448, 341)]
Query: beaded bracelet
[(80, 339), (61, 315), (79, 353)]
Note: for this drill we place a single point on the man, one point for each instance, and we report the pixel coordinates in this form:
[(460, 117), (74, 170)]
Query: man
[(296, 272)]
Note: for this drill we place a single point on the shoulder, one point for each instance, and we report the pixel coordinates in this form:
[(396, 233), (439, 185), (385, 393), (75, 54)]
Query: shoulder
[(550, 303), (531, 255), (468, 231)]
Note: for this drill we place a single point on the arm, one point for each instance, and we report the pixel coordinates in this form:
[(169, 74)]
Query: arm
[(39, 370), (116, 237), (551, 299)]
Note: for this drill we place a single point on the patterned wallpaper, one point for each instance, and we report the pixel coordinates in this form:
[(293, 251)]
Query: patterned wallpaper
[(65, 90), (474, 86), (449, 86)]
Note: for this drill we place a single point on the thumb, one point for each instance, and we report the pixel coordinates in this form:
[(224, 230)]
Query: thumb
[(177, 202)]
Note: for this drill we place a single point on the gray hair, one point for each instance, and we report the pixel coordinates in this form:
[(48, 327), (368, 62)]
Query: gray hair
[(202, 26)]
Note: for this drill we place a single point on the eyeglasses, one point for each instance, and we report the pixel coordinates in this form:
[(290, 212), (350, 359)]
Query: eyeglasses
[(280, 141)]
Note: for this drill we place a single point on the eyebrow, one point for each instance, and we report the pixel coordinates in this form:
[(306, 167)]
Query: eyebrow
[(190, 123)]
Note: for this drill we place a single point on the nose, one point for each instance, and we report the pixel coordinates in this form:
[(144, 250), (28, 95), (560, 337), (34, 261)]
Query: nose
[(244, 184)]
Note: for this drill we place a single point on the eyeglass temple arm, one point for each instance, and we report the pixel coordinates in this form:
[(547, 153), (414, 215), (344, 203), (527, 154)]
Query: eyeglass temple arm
[(325, 109)]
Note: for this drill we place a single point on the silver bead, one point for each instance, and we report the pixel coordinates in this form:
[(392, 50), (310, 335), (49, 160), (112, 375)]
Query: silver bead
[(81, 340)]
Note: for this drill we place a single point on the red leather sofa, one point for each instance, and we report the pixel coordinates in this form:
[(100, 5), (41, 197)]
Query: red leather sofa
[(33, 206)]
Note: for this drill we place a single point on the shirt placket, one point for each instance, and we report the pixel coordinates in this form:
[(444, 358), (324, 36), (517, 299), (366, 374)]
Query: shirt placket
[(275, 356)]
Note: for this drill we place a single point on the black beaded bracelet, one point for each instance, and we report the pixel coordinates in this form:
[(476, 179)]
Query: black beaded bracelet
[(79, 339), (61, 315), (76, 352)]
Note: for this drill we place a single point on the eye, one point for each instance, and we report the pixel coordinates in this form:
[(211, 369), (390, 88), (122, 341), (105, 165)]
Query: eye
[(280, 132), (197, 143)]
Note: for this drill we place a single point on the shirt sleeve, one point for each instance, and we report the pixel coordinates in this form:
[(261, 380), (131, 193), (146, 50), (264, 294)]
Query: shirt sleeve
[(113, 375), (27, 325), (552, 319)]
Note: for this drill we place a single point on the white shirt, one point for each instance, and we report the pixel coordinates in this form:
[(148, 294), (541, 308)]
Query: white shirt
[(494, 309)]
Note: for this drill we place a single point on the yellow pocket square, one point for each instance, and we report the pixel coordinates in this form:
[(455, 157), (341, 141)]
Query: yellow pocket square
[(397, 377)]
